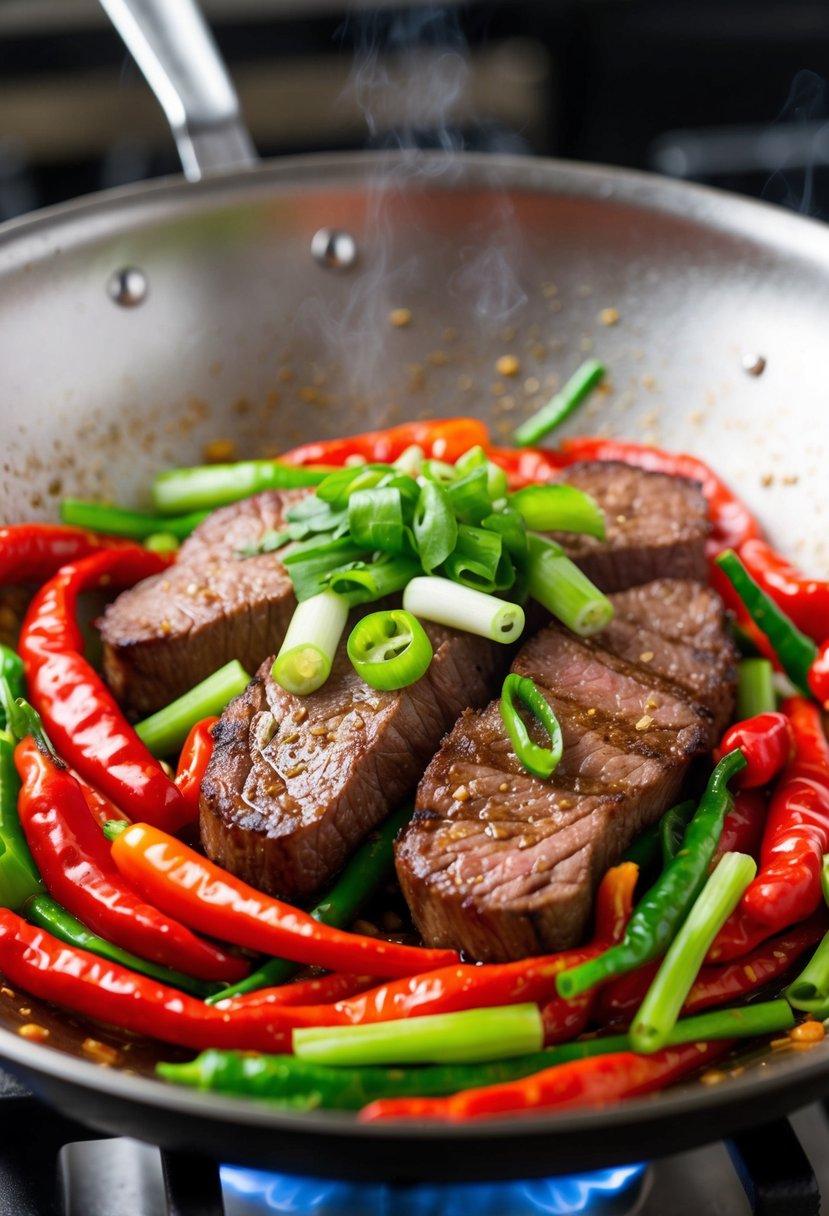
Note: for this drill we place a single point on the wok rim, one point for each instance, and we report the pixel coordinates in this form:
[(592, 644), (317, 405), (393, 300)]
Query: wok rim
[(793, 1081)]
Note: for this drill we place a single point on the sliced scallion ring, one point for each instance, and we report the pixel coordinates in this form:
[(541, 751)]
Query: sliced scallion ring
[(389, 650), (540, 761)]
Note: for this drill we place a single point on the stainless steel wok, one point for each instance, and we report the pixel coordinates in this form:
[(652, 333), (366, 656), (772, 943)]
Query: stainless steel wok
[(253, 305)]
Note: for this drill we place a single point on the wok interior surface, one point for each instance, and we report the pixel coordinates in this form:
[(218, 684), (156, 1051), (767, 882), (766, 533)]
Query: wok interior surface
[(244, 335)]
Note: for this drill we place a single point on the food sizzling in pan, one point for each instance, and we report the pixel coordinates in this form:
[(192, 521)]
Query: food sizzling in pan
[(524, 813)]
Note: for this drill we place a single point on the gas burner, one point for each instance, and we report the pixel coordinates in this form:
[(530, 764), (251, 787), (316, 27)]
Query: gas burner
[(609, 1192)]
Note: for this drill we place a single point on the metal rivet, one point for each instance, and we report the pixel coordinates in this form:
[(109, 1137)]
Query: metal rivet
[(335, 248), (128, 287), (755, 365)]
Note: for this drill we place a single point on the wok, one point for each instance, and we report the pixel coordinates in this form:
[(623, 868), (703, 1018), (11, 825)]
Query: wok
[(140, 324)]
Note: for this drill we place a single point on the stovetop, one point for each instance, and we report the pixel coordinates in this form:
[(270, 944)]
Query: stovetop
[(50, 1166)]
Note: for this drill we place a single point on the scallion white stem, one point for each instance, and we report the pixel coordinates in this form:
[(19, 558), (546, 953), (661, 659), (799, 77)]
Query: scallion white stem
[(449, 603), (305, 657)]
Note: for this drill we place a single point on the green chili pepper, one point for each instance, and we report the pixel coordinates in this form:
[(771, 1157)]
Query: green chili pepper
[(658, 916), (390, 649), (672, 827), (18, 874), (367, 869), (540, 761), (290, 1081), (794, 649), (11, 670), (42, 910)]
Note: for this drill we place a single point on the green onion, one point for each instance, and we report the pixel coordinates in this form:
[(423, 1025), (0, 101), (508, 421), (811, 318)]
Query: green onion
[(206, 487), (118, 521), (810, 991), (438, 471), (267, 543), (375, 520), (540, 761), (389, 650), (469, 497), (410, 460), (305, 657), (666, 995), (755, 688), (476, 561), (475, 1035), (311, 563), (794, 649), (165, 731), (434, 525), (559, 508), (161, 542), (560, 586), (364, 582), (311, 515), (364, 872), (577, 388), (447, 603)]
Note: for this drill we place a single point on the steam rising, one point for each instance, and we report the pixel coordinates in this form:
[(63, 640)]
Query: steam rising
[(806, 140), (409, 78)]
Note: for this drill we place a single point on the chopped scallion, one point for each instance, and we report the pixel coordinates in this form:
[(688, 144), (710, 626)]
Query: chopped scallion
[(559, 508), (165, 731), (448, 603), (557, 583), (305, 657), (213, 485), (562, 405)]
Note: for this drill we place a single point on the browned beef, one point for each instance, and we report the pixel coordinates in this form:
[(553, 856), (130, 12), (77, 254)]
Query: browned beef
[(501, 864), (172, 630), (295, 784), (656, 526)]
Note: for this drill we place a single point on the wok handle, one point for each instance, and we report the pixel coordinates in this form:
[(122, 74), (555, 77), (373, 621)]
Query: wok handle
[(173, 47)]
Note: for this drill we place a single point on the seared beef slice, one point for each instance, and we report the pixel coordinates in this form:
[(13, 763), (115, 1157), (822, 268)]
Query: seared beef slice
[(170, 631), (501, 864), (295, 783), (656, 526)]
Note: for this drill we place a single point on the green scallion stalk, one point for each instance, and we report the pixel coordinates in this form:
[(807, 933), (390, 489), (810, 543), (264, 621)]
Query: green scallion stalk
[(213, 485), (473, 1036), (477, 560), (755, 688), (562, 405), (305, 657), (559, 585), (540, 761), (794, 649), (165, 731), (810, 991), (365, 582), (161, 542), (666, 996), (559, 508), (410, 460), (118, 521), (448, 603), (434, 525)]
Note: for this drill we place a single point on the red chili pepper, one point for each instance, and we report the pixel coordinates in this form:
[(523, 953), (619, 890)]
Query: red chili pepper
[(465, 986), (716, 984), (440, 438), (787, 887), (819, 675), (732, 522), (527, 466), (766, 741), (79, 712), (564, 1019), (595, 1081), (199, 893), (193, 761), (84, 983), (31, 553), (101, 808), (743, 827), (322, 990), (804, 600), (75, 862)]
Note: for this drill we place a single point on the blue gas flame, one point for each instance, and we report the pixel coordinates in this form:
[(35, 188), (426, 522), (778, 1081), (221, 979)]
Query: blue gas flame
[(597, 1193)]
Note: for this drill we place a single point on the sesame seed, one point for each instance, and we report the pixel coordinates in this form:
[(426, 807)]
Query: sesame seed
[(644, 722), (31, 1030), (503, 787), (646, 656), (507, 365), (609, 316), (102, 1053), (400, 317), (461, 794), (808, 1032)]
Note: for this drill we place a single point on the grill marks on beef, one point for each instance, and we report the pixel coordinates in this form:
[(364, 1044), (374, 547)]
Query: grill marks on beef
[(656, 526), (503, 865), (295, 784), (172, 630)]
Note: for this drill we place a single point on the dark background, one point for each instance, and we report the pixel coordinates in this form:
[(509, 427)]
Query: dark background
[(720, 91)]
